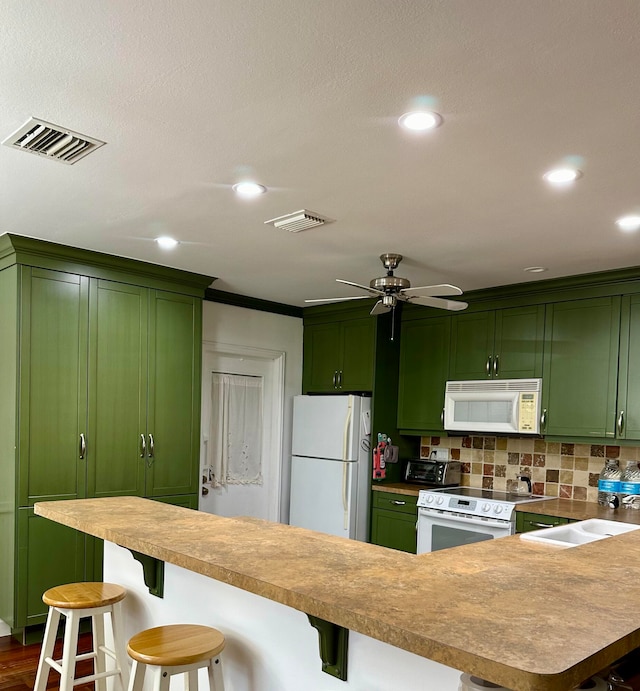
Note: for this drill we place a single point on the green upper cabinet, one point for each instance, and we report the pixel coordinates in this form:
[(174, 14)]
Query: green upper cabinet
[(173, 422), (580, 367), (424, 366), (53, 385), (339, 355), (503, 344), (628, 409)]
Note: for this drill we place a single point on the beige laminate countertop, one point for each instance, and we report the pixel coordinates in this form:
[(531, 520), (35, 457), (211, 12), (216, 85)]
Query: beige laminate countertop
[(563, 508), (519, 614)]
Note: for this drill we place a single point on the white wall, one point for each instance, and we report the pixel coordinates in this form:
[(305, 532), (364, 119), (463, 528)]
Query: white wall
[(239, 326)]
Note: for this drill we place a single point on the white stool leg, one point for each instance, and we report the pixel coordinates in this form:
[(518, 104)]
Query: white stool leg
[(136, 679), (216, 681), (119, 648), (161, 677), (70, 649), (191, 680), (48, 643), (97, 631)]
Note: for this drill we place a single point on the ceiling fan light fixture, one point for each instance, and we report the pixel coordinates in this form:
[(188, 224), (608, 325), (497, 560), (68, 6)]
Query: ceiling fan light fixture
[(420, 120)]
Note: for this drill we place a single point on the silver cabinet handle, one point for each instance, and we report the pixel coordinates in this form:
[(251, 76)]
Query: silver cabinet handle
[(442, 417), (543, 419), (496, 364), (335, 379), (398, 503), (340, 379), (541, 525), (143, 446), (83, 446), (620, 422), (151, 446), (488, 366)]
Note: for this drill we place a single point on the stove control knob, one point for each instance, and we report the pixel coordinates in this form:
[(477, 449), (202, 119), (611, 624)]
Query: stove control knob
[(429, 498), (439, 500), (497, 509), (486, 507)]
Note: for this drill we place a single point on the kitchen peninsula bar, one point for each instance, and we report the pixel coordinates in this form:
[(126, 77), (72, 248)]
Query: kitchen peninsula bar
[(522, 615)]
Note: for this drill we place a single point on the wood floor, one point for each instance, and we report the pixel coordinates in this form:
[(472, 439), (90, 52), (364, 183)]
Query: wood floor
[(19, 663)]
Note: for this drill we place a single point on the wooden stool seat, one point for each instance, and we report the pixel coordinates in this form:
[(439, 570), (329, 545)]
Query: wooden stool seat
[(177, 644), (75, 601), (177, 649), (84, 595)]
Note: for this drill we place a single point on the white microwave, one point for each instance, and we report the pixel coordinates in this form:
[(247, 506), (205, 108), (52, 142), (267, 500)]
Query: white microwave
[(503, 406)]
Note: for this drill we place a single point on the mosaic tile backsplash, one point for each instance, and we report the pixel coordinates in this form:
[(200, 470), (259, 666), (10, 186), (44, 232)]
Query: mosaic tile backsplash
[(556, 469)]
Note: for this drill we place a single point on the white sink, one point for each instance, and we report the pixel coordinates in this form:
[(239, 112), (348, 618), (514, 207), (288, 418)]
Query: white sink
[(580, 533)]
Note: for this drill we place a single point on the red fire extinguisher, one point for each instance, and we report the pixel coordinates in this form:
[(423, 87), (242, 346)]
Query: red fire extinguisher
[(379, 471)]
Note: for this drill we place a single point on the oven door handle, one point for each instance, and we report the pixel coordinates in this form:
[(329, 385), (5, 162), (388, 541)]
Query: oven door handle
[(450, 518)]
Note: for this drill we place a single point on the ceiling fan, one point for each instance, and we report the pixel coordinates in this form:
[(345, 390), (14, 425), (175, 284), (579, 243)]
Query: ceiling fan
[(390, 289)]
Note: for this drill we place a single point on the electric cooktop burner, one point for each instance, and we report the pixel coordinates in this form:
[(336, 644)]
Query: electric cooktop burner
[(492, 494)]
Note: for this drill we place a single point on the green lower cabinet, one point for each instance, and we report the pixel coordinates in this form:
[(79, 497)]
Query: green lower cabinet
[(49, 554), (393, 521), (526, 522), (188, 501)]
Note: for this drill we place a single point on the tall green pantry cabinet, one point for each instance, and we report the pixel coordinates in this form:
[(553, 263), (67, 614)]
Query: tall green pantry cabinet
[(99, 396)]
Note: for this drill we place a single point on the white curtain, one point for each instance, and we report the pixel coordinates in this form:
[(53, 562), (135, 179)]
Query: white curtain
[(235, 439)]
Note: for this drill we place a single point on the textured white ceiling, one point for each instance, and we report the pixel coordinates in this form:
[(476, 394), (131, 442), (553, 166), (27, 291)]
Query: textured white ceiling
[(304, 96)]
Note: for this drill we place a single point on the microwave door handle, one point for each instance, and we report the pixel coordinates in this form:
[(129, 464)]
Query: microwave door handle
[(465, 521)]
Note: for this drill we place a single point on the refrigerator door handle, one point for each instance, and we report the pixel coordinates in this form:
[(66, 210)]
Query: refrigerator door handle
[(345, 506), (347, 429)]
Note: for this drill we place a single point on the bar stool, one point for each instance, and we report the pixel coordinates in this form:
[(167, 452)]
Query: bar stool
[(177, 649), (76, 601)]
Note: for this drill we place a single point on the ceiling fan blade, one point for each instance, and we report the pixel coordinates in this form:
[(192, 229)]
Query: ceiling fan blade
[(452, 305), (439, 289), (358, 297), (379, 308), (373, 291)]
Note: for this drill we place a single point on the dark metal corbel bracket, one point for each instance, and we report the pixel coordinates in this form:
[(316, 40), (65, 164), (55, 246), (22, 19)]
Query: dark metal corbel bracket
[(334, 646)]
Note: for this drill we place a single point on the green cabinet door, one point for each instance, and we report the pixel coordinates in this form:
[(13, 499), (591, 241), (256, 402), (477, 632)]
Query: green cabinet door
[(339, 356), (118, 389), (628, 409), (53, 385), (174, 394), (424, 366), (500, 344), (519, 342), (580, 367), (322, 357), (472, 346), (356, 371), (526, 522), (393, 520), (49, 554), (393, 529)]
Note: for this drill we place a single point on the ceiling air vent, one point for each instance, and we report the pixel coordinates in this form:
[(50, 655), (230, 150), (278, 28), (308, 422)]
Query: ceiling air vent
[(52, 141), (298, 220)]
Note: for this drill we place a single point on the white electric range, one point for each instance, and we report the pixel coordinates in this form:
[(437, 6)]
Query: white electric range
[(456, 516)]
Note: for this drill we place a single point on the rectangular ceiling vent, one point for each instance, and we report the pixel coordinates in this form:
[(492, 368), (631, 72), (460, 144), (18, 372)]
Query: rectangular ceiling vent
[(299, 220), (52, 141)]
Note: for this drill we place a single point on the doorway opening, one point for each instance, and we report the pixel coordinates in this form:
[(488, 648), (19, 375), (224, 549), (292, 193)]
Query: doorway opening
[(245, 494)]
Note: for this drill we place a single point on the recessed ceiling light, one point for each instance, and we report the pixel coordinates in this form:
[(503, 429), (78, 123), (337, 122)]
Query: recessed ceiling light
[(419, 121), (249, 189), (629, 223), (166, 242), (536, 269), (562, 176)]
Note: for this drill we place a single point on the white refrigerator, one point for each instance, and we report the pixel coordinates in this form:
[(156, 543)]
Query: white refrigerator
[(330, 464)]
